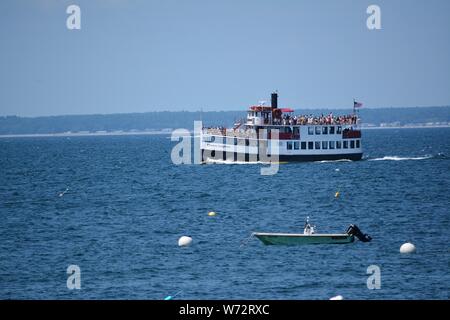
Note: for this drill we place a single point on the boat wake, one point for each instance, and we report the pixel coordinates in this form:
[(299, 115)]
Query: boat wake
[(213, 161), (395, 158), (331, 161)]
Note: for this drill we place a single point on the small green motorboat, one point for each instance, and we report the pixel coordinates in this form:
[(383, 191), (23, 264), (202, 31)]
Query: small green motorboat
[(299, 239), (309, 237)]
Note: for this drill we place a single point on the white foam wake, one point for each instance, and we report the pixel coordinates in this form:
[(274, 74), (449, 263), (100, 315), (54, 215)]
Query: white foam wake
[(209, 160), (218, 161), (339, 160), (395, 158)]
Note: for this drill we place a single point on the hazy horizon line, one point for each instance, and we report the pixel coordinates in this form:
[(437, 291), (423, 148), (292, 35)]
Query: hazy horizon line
[(202, 110)]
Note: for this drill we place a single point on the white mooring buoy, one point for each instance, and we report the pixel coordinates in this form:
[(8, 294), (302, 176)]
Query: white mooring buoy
[(339, 297), (407, 248), (184, 241)]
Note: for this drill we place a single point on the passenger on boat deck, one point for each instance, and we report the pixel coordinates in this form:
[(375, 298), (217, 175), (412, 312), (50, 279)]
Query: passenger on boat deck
[(321, 120)]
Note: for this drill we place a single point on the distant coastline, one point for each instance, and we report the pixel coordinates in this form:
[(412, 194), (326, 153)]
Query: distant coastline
[(86, 134), (168, 132), (164, 122), (418, 126)]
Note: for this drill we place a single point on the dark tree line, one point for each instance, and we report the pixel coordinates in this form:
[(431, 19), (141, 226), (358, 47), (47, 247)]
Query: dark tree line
[(184, 119)]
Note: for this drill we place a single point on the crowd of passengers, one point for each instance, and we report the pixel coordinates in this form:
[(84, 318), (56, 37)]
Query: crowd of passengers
[(295, 120), (321, 120)]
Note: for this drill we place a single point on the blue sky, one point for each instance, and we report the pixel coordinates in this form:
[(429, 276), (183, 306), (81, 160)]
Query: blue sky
[(145, 55)]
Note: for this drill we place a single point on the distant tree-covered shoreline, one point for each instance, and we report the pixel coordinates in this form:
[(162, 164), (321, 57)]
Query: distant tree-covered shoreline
[(183, 119)]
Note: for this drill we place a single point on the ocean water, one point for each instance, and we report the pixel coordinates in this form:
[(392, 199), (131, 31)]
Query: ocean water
[(123, 206)]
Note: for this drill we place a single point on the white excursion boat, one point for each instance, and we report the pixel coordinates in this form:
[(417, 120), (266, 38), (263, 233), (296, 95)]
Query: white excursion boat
[(269, 131), (310, 237)]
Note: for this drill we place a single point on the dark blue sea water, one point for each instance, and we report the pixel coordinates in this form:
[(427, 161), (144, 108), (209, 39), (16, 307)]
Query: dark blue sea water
[(127, 205)]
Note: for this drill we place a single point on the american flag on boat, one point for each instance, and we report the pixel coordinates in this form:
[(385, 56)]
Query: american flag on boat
[(357, 104)]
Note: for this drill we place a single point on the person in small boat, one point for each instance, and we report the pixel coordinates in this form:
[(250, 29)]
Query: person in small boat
[(309, 229)]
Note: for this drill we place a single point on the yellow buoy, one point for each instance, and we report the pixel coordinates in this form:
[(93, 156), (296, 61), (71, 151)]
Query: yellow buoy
[(211, 214), (336, 195)]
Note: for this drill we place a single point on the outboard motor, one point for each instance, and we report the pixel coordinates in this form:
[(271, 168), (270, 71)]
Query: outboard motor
[(354, 230)]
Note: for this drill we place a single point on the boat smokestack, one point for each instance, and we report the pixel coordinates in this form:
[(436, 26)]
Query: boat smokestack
[(274, 100)]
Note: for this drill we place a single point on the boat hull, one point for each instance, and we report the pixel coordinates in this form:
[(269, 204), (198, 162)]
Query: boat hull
[(286, 158), (321, 157), (302, 239)]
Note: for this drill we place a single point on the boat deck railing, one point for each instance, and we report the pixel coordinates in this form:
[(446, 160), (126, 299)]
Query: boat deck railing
[(238, 133)]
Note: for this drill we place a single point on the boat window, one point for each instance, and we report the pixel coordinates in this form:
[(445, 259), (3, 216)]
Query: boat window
[(310, 130), (310, 145), (317, 145), (331, 130), (303, 145), (235, 141), (324, 130), (338, 144), (208, 138), (318, 130), (296, 130), (289, 145), (339, 130), (358, 143), (345, 144), (331, 144), (247, 142), (296, 145), (325, 144), (352, 144)]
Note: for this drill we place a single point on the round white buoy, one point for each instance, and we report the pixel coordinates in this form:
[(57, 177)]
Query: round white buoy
[(337, 170), (407, 248), (211, 214), (339, 297), (184, 241)]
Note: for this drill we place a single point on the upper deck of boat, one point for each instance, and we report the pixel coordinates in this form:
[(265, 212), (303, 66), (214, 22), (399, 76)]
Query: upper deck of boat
[(271, 117)]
